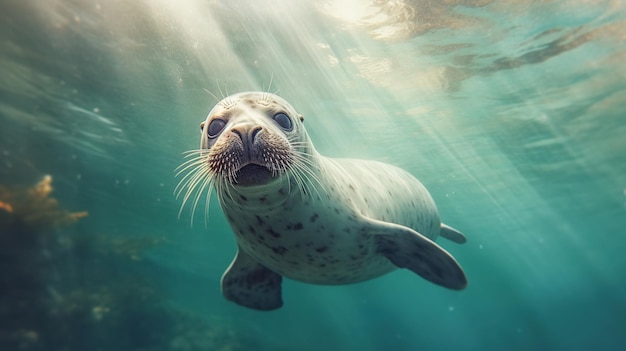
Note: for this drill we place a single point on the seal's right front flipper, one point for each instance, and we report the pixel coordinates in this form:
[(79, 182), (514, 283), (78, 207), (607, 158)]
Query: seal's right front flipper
[(250, 284), (409, 249)]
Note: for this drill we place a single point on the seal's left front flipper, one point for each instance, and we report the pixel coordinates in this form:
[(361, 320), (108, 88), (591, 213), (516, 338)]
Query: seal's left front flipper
[(409, 249), (249, 283), (452, 234)]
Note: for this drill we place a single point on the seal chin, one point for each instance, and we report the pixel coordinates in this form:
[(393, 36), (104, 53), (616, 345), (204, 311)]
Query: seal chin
[(253, 174)]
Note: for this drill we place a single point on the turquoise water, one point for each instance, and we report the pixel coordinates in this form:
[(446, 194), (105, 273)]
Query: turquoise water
[(512, 113)]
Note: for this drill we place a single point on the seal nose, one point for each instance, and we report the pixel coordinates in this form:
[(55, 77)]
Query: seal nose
[(247, 134)]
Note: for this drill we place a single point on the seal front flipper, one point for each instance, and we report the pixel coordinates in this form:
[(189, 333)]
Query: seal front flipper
[(249, 283), (452, 234), (409, 249)]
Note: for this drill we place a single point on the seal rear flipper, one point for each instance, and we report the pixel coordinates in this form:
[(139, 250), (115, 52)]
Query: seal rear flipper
[(409, 249), (250, 284), (452, 234)]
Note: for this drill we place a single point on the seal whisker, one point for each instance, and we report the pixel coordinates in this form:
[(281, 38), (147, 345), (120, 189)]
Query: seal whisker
[(307, 166), (207, 181), (303, 175), (198, 159), (269, 86), (305, 146), (210, 93), (224, 189), (192, 151), (190, 190), (267, 98), (289, 186), (191, 155), (232, 176), (315, 183), (219, 88), (193, 163), (199, 189), (220, 191), (299, 177), (308, 186), (192, 184), (185, 181), (207, 204), (303, 158), (298, 180)]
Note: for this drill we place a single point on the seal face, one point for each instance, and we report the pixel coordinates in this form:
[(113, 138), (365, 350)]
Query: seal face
[(298, 214), (249, 141)]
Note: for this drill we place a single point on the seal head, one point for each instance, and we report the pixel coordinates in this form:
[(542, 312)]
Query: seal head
[(251, 138)]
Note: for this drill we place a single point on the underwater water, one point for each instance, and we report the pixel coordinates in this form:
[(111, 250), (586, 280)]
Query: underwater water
[(511, 113)]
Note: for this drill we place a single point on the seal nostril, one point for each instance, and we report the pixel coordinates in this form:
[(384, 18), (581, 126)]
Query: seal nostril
[(254, 132), (236, 131)]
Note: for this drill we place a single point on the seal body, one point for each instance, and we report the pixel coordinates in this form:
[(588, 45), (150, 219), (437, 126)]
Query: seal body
[(300, 215)]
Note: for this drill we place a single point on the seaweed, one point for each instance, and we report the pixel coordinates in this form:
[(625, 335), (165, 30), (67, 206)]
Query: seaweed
[(61, 289)]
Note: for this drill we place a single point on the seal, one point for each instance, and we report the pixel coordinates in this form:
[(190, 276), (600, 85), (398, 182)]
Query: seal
[(303, 216)]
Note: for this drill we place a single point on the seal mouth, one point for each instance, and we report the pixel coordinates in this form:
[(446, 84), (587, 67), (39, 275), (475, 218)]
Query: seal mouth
[(253, 174)]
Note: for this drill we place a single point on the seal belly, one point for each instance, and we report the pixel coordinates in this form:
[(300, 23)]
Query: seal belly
[(322, 246)]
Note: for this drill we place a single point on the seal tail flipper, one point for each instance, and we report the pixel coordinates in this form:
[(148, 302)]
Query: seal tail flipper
[(250, 284), (409, 249), (452, 234)]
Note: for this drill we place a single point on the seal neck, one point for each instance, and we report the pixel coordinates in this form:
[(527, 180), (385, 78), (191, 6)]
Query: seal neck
[(259, 199)]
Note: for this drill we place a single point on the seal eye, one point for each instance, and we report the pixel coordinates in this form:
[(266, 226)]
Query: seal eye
[(215, 127), (283, 121)]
